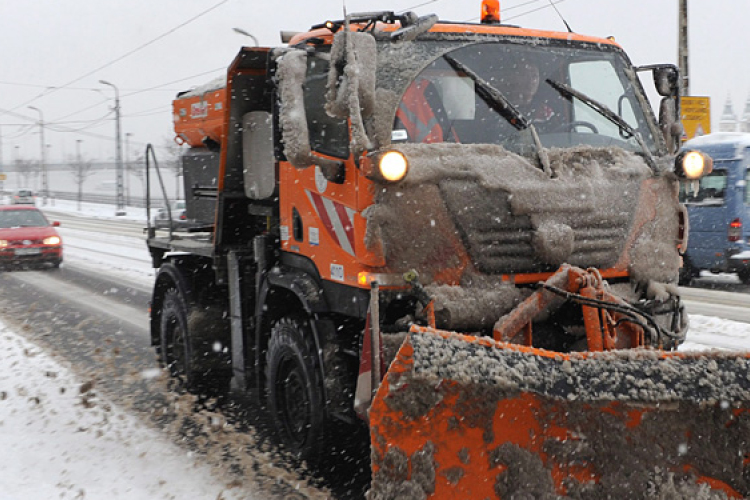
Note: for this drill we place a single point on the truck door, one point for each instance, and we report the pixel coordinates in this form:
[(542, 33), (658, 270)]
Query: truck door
[(319, 210)]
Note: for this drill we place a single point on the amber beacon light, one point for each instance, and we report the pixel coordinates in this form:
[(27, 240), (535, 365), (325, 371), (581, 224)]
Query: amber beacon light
[(490, 11)]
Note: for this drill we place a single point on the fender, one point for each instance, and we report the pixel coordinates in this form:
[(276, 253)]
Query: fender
[(306, 287), (308, 292)]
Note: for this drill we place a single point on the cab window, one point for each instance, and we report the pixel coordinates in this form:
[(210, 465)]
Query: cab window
[(328, 136), (709, 190)]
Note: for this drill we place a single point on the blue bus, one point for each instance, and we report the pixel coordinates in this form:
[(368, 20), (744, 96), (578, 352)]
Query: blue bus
[(718, 207)]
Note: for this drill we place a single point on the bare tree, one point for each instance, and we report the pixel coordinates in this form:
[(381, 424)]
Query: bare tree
[(172, 162), (137, 167), (25, 169), (81, 169)]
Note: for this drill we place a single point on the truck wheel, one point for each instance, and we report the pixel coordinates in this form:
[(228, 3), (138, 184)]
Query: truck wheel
[(687, 272), (177, 349), (295, 389)]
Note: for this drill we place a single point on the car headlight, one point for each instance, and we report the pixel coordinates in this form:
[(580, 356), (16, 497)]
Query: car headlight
[(3, 243), (51, 240), (693, 164)]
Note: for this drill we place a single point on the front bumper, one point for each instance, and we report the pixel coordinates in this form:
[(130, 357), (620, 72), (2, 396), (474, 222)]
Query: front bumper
[(30, 255), (738, 261)]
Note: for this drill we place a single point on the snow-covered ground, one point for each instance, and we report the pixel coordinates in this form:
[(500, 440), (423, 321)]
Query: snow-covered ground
[(60, 440)]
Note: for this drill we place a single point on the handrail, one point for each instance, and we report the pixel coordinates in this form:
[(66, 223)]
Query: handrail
[(151, 231)]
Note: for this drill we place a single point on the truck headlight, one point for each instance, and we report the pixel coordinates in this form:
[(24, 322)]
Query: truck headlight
[(388, 166), (693, 164), (393, 166)]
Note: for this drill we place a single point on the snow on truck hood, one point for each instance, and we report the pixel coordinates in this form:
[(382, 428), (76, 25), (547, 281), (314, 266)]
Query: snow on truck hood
[(497, 210)]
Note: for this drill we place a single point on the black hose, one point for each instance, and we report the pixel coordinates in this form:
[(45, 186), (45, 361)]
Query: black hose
[(630, 311)]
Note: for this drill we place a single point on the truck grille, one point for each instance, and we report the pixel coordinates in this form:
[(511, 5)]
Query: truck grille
[(502, 243)]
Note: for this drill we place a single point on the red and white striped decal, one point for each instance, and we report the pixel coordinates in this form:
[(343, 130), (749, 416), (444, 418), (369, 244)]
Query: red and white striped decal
[(336, 218)]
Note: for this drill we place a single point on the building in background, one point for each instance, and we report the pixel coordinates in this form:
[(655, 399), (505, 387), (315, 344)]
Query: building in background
[(730, 122)]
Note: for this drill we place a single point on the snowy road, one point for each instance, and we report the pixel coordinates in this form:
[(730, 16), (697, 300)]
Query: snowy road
[(93, 314)]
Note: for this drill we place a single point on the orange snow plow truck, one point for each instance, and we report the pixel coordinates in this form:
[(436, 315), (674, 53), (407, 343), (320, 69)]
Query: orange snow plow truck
[(464, 236)]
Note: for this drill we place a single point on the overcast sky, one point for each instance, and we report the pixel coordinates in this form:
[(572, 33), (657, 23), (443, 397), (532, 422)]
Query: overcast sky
[(55, 52)]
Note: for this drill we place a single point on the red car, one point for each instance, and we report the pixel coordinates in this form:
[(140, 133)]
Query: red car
[(27, 237)]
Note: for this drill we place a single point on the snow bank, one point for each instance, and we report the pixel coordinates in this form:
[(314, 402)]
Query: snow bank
[(61, 440)]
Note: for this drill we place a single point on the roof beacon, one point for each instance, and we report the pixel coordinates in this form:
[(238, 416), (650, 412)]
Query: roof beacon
[(490, 11)]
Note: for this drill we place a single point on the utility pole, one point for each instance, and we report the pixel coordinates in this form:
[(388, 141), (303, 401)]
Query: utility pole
[(682, 55), (80, 172), (120, 209), (42, 152)]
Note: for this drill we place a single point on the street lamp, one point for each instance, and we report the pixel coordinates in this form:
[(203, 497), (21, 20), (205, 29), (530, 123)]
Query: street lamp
[(42, 148), (245, 33), (120, 210)]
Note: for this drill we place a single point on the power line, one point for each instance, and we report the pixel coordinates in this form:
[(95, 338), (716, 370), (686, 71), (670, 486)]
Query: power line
[(222, 68), (552, 4), (428, 2), (156, 87), (524, 4), (127, 54)]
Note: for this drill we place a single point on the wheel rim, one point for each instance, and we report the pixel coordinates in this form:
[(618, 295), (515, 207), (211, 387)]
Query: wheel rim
[(293, 401)]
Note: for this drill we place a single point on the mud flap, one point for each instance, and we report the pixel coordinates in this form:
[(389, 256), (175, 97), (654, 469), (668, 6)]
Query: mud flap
[(468, 417)]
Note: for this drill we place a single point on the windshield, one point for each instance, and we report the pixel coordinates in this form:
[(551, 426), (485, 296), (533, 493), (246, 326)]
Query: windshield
[(448, 101), (709, 190), (22, 218)]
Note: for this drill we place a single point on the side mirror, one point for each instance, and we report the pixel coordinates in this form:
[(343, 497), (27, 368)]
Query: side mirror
[(669, 123), (667, 83), (667, 80), (56, 224), (259, 164)]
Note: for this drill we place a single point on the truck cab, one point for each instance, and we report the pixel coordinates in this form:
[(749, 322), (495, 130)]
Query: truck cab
[(718, 206)]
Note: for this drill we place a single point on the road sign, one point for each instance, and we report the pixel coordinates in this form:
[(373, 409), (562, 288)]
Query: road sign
[(695, 113)]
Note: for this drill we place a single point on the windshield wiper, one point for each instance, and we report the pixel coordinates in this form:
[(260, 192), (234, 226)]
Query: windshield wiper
[(568, 91), (490, 95), (497, 101)]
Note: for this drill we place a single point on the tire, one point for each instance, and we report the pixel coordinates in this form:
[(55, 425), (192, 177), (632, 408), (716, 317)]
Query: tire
[(744, 275), (178, 354), (295, 389), (687, 272)]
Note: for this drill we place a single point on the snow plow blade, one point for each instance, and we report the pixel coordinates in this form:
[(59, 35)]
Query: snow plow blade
[(468, 417)]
